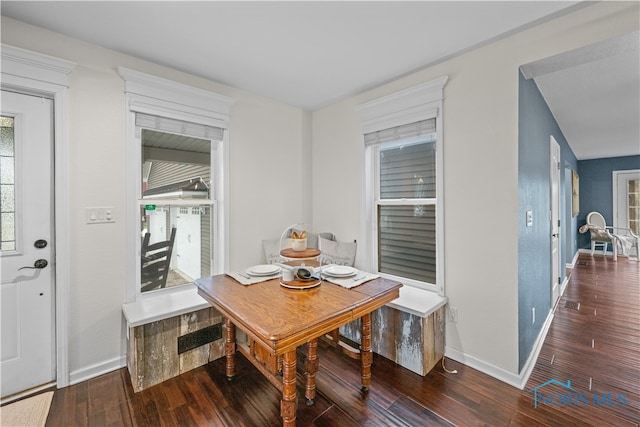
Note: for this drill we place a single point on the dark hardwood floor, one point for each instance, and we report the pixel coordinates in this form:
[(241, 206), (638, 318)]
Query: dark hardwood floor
[(595, 347)]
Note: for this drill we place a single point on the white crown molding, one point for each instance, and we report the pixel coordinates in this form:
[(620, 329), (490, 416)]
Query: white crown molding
[(27, 64), (155, 95), (410, 105)]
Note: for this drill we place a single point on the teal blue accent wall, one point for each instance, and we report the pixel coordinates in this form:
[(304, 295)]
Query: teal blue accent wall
[(535, 125), (596, 189)]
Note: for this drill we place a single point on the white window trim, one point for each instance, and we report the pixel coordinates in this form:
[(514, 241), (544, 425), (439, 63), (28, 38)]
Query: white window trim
[(420, 102), (157, 96), (35, 73)]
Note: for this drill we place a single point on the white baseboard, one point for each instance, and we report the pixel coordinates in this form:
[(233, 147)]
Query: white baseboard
[(516, 380), (563, 286), (97, 369), (526, 370), (573, 262)]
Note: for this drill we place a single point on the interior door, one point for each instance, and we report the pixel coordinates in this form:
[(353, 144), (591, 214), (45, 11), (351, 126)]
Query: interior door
[(27, 270), (554, 168)]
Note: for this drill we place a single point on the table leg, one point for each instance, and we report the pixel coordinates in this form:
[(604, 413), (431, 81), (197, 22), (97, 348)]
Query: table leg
[(230, 349), (366, 355), (289, 400), (311, 367)]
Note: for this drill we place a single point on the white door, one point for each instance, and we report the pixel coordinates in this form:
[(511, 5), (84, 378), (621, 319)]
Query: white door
[(626, 197), (188, 241), (27, 294), (555, 219)]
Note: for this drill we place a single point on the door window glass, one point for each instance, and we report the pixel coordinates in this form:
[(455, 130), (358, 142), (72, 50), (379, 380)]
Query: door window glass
[(633, 200), (7, 184)]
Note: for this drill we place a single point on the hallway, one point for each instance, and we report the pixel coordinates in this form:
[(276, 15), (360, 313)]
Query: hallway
[(594, 341)]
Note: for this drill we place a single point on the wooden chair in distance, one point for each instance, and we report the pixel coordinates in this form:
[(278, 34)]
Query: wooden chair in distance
[(155, 262)]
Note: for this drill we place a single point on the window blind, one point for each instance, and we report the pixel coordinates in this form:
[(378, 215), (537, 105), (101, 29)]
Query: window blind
[(407, 241), (408, 172), (422, 127), (179, 127), (165, 173)]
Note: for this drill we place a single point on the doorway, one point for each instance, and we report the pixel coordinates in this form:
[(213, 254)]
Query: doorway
[(28, 270), (626, 201), (556, 256), (569, 222)]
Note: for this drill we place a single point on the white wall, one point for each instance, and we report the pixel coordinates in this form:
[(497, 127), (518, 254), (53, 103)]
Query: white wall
[(480, 168), (268, 159), (268, 145)]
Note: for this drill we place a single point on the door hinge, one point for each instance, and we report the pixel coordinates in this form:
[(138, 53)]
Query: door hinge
[(559, 280)]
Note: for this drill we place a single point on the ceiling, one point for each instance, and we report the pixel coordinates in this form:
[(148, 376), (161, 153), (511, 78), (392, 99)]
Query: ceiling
[(312, 54), (594, 94)]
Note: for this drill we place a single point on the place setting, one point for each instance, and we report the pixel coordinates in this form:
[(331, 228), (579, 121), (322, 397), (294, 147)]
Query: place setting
[(257, 274), (345, 276)]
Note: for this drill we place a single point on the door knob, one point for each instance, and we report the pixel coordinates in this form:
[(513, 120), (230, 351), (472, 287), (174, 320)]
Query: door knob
[(38, 264)]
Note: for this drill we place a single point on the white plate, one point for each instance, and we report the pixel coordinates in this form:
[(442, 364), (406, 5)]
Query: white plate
[(263, 270), (340, 271)]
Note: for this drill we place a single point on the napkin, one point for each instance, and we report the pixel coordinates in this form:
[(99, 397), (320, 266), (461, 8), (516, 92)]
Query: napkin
[(245, 279), (352, 282)]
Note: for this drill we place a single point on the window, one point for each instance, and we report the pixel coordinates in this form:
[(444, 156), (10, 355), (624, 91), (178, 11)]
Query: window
[(403, 139), (406, 207), (176, 169), (177, 193)]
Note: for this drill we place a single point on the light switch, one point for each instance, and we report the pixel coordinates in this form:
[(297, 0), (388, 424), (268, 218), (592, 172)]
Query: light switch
[(529, 218), (100, 215)]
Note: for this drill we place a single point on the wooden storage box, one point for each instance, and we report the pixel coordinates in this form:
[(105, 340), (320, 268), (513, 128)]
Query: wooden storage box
[(412, 341), (152, 348)]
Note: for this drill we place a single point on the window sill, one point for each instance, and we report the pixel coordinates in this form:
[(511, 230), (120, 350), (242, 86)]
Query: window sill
[(163, 306), (417, 301)]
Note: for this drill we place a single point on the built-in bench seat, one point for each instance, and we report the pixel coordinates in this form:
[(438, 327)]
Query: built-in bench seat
[(163, 305), (409, 330), (170, 333), (418, 301)]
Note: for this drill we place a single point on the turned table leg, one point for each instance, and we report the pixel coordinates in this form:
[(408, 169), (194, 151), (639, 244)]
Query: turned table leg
[(311, 367), (289, 400), (230, 349), (366, 355)]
